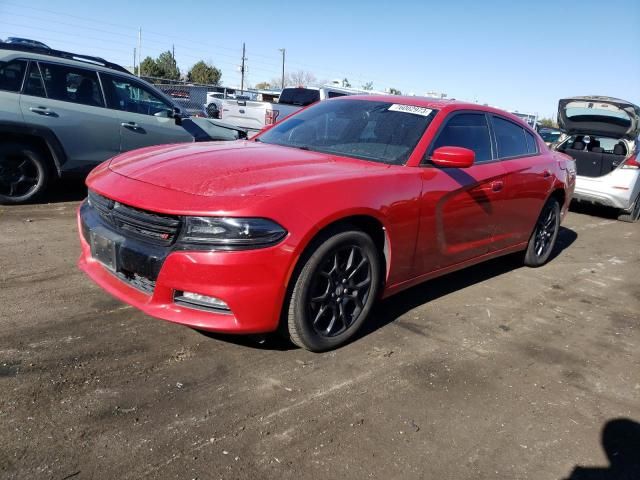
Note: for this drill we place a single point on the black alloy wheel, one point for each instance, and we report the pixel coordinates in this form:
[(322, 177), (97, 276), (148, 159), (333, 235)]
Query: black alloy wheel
[(544, 235), (23, 174), (334, 291)]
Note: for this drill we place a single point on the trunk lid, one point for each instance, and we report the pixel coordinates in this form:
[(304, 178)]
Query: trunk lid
[(597, 115)]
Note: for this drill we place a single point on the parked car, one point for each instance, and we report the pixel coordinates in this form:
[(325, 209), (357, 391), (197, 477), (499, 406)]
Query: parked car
[(602, 136), (62, 113), (255, 115), (213, 107), (305, 226), (550, 135)]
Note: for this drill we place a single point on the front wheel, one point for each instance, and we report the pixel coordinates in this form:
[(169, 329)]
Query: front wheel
[(334, 292), (544, 236)]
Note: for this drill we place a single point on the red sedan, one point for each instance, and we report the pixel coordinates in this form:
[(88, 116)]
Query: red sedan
[(304, 227)]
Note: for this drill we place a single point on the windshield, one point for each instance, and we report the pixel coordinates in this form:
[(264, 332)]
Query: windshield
[(299, 96), (377, 131)]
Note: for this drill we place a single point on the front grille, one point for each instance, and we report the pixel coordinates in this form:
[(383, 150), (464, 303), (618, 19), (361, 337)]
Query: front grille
[(151, 227), (143, 284)]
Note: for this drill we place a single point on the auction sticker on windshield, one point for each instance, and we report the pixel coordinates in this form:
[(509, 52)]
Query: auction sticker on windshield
[(396, 107)]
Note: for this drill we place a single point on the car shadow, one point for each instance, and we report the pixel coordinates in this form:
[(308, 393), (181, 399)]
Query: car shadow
[(594, 210), (70, 189), (390, 309), (621, 444), (394, 307)]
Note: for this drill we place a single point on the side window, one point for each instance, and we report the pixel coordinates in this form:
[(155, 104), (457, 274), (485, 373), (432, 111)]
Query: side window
[(335, 94), (510, 138), (128, 96), (532, 145), (71, 84), (34, 84), (12, 74), (467, 130)]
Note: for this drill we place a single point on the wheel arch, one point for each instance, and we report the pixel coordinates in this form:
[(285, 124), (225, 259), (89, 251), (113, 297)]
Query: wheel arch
[(42, 137)]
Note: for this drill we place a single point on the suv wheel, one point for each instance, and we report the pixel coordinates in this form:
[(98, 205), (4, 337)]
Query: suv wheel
[(23, 173)]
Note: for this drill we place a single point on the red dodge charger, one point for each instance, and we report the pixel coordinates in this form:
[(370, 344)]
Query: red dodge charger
[(302, 228)]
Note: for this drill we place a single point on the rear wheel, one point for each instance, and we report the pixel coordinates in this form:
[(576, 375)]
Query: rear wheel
[(334, 292), (544, 236), (634, 214), (213, 111), (23, 173)]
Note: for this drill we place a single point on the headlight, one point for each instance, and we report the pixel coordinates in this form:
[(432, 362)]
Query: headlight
[(231, 233)]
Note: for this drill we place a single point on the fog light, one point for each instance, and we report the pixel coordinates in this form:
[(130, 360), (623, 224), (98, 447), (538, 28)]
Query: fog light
[(198, 300)]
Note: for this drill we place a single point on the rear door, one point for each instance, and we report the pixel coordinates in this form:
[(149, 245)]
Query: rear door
[(69, 101), (145, 118), (460, 206), (529, 176)]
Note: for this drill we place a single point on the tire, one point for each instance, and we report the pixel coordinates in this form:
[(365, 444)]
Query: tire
[(544, 235), (24, 173), (634, 214), (335, 290), (213, 111)]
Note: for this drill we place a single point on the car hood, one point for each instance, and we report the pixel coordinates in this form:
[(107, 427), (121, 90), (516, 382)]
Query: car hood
[(233, 168), (596, 115)]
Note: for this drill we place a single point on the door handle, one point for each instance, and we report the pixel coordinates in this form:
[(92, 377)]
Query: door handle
[(131, 126), (43, 111), (546, 174), (497, 186)]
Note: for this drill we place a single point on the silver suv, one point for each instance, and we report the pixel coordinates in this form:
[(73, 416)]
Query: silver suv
[(63, 113)]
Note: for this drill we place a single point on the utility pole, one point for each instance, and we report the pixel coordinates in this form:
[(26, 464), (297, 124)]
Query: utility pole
[(134, 60), (242, 70), (173, 52), (283, 53), (139, 51)]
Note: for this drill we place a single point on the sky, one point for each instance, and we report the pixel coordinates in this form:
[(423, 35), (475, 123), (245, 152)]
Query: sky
[(515, 55)]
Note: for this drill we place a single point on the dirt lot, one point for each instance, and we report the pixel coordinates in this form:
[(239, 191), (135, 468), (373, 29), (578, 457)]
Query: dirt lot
[(494, 372)]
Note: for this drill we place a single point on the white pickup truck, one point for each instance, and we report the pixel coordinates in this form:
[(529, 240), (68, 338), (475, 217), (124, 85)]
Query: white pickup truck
[(255, 115)]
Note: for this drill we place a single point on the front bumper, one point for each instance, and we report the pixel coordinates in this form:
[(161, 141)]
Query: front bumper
[(618, 189), (251, 282)]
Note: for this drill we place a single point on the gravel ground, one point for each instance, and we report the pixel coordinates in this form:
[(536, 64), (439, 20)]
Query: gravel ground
[(498, 371)]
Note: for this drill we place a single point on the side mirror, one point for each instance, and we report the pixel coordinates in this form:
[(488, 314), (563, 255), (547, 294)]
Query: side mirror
[(453, 157), (177, 115)]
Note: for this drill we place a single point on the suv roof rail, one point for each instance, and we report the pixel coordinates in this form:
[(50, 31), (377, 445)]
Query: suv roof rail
[(67, 55)]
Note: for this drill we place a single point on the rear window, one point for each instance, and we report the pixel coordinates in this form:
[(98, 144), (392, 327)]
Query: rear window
[(510, 138), (11, 75), (299, 96)]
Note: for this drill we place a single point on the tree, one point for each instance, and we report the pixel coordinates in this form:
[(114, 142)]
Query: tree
[(394, 91), (345, 83), (547, 122), (368, 86), (149, 68), (168, 66), (204, 73), (299, 78), (263, 86)]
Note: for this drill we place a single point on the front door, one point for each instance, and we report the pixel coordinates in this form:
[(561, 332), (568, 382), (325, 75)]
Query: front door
[(145, 117), (68, 101)]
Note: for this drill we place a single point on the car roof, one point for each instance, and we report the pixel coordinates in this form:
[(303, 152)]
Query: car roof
[(445, 105)]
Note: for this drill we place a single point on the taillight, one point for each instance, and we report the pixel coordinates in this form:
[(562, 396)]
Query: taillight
[(271, 116), (631, 162)]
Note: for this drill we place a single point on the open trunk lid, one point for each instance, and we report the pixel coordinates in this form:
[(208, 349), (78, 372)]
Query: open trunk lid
[(596, 115)]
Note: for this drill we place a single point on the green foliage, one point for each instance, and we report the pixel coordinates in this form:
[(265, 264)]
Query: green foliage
[(263, 86), (368, 86), (149, 68), (547, 122), (394, 91), (345, 83), (168, 66), (205, 73)]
